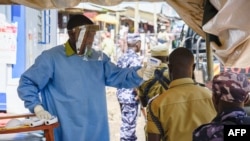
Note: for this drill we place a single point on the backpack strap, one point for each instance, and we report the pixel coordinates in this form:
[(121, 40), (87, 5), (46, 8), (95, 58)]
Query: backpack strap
[(156, 121), (158, 76), (145, 97), (201, 84)]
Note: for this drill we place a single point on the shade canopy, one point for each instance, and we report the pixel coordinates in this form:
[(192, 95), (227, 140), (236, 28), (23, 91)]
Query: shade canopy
[(226, 22), (106, 18)]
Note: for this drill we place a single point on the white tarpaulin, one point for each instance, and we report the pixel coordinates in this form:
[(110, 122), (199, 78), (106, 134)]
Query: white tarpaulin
[(233, 30), (48, 4)]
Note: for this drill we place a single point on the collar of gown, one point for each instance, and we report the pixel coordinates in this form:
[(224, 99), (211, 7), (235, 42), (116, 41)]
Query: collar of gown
[(68, 50)]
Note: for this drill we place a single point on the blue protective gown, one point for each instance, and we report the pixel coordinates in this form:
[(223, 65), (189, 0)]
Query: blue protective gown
[(74, 90)]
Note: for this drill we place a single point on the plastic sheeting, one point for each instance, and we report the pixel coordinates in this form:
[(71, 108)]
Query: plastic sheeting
[(231, 25), (191, 11), (49, 4)]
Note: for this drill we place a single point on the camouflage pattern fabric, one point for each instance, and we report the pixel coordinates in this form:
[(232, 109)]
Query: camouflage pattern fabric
[(231, 87), (127, 99), (129, 59), (132, 39), (214, 131), (128, 126)]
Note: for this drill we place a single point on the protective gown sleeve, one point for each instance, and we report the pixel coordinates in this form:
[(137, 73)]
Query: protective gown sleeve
[(121, 77), (33, 80)]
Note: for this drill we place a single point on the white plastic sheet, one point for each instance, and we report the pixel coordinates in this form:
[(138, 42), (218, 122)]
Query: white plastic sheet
[(231, 25), (49, 4)]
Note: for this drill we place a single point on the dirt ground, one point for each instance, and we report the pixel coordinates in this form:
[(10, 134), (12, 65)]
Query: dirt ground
[(115, 118)]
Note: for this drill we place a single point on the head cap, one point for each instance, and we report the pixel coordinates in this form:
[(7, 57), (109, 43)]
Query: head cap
[(231, 87), (132, 39), (78, 20), (159, 50)]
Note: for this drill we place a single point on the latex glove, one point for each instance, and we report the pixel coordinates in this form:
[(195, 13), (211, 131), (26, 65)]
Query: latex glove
[(140, 72), (41, 113), (146, 72)]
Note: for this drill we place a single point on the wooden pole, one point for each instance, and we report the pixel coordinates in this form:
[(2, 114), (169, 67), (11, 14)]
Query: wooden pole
[(136, 16), (117, 26), (155, 20), (210, 72)]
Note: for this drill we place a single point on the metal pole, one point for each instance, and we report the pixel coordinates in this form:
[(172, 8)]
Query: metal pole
[(210, 72), (155, 20), (197, 53)]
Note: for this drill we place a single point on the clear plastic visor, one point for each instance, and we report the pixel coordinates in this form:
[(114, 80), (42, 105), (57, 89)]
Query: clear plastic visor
[(88, 42)]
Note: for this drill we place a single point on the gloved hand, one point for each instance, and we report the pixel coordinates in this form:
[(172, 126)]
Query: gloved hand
[(41, 113), (146, 72), (140, 72)]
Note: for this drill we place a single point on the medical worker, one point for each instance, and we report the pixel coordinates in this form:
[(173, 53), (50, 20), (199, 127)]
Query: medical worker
[(68, 81)]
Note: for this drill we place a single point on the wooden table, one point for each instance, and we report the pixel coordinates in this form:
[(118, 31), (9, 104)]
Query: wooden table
[(48, 129)]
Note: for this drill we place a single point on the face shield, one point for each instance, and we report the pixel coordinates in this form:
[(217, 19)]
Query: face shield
[(88, 42)]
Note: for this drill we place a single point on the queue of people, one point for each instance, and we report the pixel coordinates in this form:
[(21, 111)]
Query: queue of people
[(183, 95), (68, 81)]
